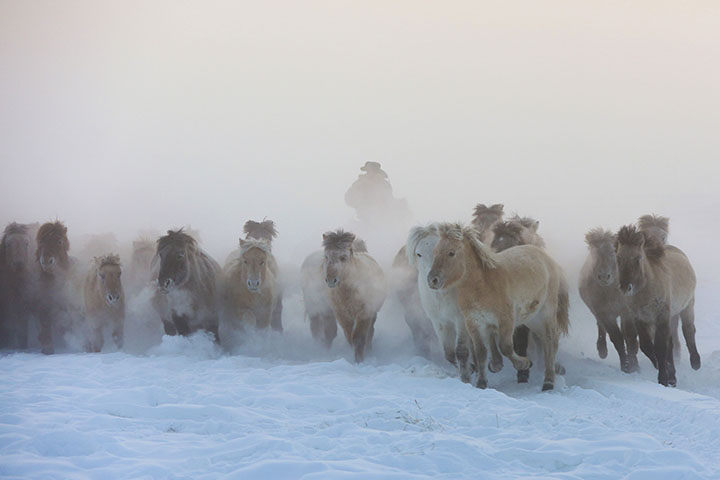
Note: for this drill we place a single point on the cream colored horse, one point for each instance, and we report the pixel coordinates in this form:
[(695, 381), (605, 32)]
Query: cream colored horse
[(104, 301), (497, 292)]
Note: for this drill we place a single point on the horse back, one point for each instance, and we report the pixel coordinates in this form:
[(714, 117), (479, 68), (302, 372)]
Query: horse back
[(682, 277)]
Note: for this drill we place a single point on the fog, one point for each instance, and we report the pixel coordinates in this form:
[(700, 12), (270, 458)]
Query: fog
[(142, 116)]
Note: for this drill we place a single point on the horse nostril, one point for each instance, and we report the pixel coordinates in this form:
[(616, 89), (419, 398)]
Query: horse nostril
[(435, 280)]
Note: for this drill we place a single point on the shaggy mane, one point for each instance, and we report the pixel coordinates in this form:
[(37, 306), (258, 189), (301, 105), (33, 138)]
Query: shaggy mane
[(655, 225), (360, 246), (250, 243), (599, 236), (527, 222), (109, 259), (15, 228), (482, 209), (265, 229), (630, 235), (52, 231), (176, 238), (511, 228), (338, 240), (416, 235)]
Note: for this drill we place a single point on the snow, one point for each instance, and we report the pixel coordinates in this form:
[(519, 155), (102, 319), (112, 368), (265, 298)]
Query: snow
[(280, 406)]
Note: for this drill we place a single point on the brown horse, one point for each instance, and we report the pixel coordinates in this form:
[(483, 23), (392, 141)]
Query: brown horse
[(18, 278), (250, 292), (104, 301), (497, 292), (485, 218), (266, 230), (507, 235), (354, 288), (55, 279), (187, 293), (599, 290), (405, 285), (658, 283)]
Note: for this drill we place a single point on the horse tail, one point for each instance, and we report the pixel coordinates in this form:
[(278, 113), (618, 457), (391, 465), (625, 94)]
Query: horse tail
[(563, 307)]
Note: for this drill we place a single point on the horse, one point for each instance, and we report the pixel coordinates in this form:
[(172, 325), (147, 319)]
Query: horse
[(498, 291), (658, 283), (354, 289), (55, 281), (598, 286), (266, 230), (139, 271), (250, 292), (485, 218), (507, 235), (187, 294), (104, 301), (405, 286), (18, 278)]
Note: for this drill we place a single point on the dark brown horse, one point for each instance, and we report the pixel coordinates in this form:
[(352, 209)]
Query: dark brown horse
[(485, 218), (187, 293), (658, 283), (18, 279), (55, 280), (266, 230)]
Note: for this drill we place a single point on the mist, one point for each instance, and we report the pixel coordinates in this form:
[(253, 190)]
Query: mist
[(128, 117)]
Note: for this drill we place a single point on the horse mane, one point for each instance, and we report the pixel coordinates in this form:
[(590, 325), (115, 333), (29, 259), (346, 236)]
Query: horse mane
[(599, 236), (15, 228), (527, 222), (176, 238), (359, 245), (415, 236), (510, 228), (648, 223), (265, 229), (481, 209), (338, 240), (631, 236), (53, 231), (109, 259), (247, 244)]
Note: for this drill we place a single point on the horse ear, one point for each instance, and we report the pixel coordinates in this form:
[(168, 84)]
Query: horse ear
[(535, 225), (498, 206), (324, 236)]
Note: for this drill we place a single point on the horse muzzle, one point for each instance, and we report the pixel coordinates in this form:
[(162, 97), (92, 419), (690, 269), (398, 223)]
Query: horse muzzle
[(605, 279), (112, 299), (435, 282), (332, 282), (166, 285), (253, 285)]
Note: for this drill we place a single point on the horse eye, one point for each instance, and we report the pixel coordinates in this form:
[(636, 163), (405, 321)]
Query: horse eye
[(451, 254), (262, 262), (245, 262), (59, 242)]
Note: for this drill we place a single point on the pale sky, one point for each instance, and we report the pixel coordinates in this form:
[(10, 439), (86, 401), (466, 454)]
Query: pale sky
[(127, 115)]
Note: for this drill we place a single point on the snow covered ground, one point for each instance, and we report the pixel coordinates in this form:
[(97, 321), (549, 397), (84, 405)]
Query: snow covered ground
[(279, 407)]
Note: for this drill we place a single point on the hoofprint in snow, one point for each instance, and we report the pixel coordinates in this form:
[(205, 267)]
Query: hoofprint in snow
[(282, 407)]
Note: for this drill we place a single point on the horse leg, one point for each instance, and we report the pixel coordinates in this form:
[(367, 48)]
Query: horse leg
[(496, 360), (601, 343), (462, 354), (118, 332), (263, 317), (371, 331), (359, 337), (674, 324), (96, 339), (616, 337), (688, 327), (646, 342), (672, 380), (316, 326), (45, 333), (447, 336), (662, 341), (329, 328), (276, 322), (475, 332), (521, 336), (550, 343), (505, 340), (629, 331)]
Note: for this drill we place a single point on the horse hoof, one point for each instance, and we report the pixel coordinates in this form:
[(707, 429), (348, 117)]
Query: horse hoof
[(602, 350), (547, 386), (695, 361), (482, 384), (559, 369), (523, 376), (495, 367), (47, 350)]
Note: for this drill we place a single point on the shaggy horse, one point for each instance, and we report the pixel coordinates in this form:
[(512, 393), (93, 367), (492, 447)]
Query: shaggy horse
[(658, 283), (18, 277), (599, 290), (104, 301), (250, 292), (405, 286), (187, 285), (497, 292), (55, 281), (266, 230), (354, 289), (516, 231), (485, 218)]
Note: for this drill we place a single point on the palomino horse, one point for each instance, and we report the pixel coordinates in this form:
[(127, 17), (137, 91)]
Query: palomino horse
[(18, 277), (250, 292), (599, 290), (354, 288), (266, 230), (497, 292), (405, 286), (187, 293), (104, 301), (485, 218), (658, 283)]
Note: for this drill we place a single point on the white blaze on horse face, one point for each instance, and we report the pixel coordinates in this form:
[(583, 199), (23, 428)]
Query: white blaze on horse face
[(424, 254)]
